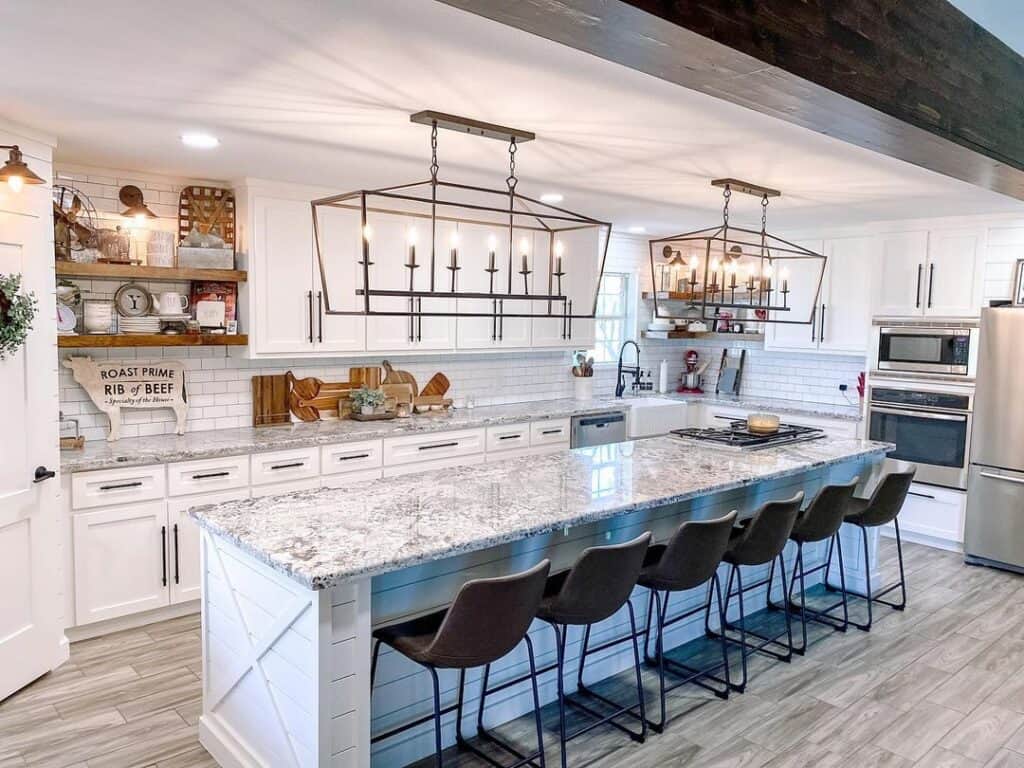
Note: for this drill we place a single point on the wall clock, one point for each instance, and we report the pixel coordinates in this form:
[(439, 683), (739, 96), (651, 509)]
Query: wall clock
[(132, 300)]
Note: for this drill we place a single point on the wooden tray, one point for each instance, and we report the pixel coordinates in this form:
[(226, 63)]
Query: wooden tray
[(373, 416)]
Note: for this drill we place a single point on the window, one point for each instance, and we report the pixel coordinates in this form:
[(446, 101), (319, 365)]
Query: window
[(612, 321)]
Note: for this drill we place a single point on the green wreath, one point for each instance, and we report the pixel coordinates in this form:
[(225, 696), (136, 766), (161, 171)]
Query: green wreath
[(16, 312)]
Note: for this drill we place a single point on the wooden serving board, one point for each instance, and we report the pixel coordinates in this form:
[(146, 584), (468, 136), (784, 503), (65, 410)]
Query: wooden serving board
[(270, 400), (308, 397), (395, 376), (438, 385)]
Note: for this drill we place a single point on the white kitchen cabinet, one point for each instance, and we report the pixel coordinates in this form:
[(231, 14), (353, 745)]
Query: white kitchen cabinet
[(410, 449), (284, 306), (581, 262), (933, 516), (507, 437), (953, 283), (902, 273), (120, 561), (931, 274), (803, 303), (842, 314), (389, 253), (492, 332), (183, 544), (844, 317)]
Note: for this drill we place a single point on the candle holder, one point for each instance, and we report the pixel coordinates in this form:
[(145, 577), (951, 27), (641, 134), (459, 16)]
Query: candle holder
[(412, 266), (454, 269), (525, 272), (558, 277), (490, 273)]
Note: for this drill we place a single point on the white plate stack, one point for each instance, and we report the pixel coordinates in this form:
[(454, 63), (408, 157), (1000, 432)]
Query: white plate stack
[(144, 324)]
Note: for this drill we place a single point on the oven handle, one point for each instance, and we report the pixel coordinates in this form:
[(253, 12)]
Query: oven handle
[(990, 476), (920, 414)]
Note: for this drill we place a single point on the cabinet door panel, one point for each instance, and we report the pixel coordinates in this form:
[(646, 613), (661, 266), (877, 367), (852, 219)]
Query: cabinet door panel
[(282, 275), (488, 332), (902, 274), (581, 262), (803, 286), (183, 566), (340, 249), (121, 564), (844, 322), (953, 281)]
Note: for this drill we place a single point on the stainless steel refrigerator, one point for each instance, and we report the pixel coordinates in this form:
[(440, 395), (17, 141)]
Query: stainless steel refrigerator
[(994, 533)]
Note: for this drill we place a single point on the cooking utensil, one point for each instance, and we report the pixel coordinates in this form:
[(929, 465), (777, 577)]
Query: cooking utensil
[(763, 423), (395, 376), (438, 385)]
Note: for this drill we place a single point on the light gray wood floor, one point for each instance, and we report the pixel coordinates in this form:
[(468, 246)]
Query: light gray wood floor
[(940, 685)]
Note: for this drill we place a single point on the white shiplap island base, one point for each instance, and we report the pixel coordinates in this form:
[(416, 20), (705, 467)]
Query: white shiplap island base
[(294, 584)]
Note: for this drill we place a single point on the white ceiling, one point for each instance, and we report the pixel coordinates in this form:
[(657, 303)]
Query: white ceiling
[(319, 91)]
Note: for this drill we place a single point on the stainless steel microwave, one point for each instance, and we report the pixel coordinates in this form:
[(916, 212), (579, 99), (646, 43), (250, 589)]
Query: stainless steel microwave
[(920, 349)]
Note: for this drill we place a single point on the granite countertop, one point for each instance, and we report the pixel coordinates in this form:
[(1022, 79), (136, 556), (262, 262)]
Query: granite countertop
[(210, 444), (320, 538)]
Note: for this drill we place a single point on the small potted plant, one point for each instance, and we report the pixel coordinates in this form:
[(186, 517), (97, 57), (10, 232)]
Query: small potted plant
[(368, 400)]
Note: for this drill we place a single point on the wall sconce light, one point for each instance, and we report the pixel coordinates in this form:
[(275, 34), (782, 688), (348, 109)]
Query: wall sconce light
[(135, 207), (15, 172)]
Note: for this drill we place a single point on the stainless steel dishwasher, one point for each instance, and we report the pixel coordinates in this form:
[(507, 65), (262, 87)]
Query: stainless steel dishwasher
[(599, 429)]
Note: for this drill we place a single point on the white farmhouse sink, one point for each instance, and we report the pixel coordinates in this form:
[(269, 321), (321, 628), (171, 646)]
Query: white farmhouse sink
[(649, 416)]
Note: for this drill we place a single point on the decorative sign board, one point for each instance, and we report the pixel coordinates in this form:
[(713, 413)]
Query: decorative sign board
[(117, 385)]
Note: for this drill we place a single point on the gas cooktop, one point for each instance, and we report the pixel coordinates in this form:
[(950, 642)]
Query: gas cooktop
[(736, 435)]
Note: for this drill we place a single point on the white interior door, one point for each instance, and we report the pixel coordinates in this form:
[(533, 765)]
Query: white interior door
[(31, 641)]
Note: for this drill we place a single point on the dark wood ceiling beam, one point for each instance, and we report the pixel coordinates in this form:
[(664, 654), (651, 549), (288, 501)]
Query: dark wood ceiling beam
[(917, 81)]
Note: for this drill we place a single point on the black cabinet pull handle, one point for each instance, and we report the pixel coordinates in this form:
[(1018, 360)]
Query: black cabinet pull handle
[(354, 456), (494, 319), (119, 486), (290, 465), (822, 338), (419, 319), (551, 432), (920, 271), (510, 437), (309, 296), (438, 445), (814, 324), (42, 473), (320, 316), (931, 283), (501, 320), (177, 567), (570, 318), (412, 320), (163, 553), (208, 475)]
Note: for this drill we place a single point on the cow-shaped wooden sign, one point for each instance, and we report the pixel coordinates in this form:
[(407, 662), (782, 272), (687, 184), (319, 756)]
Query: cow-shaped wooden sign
[(117, 385)]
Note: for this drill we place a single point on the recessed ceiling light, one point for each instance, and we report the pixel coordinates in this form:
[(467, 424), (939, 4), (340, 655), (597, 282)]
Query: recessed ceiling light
[(198, 140), (637, 230), (551, 198)]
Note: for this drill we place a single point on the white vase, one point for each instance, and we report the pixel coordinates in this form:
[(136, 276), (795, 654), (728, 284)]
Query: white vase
[(584, 387), (367, 410)]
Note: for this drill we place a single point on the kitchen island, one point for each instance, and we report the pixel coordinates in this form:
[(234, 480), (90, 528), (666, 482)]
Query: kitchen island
[(293, 585)]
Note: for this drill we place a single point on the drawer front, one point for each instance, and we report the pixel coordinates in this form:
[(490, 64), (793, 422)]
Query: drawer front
[(550, 431), (508, 437), (117, 486), (345, 479), (279, 466), (440, 445), (433, 466), (288, 486), (187, 477), (351, 457)]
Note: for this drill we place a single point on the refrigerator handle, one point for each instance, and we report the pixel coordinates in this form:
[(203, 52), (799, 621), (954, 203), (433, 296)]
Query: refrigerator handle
[(991, 476)]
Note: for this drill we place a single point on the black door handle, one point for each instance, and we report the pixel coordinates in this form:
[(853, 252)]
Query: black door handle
[(931, 283), (177, 568), (309, 296), (42, 473), (320, 316)]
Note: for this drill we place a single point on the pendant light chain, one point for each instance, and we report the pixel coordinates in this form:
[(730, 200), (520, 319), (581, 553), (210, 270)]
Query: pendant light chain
[(433, 153), (726, 193), (764, 215), (512, 180)]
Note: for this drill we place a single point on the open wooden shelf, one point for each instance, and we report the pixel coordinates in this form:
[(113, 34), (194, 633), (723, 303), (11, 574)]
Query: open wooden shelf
[(137, 272), (151, 340), (673, 295), (708, 335)]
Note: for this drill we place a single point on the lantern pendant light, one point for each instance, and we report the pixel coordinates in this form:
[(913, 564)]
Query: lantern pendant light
[(735, 268)]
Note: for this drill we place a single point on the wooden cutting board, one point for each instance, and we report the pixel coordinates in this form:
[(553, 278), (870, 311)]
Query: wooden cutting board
[(270, 400), (367, 376), (395, 376), (309, 397), (438, 385)]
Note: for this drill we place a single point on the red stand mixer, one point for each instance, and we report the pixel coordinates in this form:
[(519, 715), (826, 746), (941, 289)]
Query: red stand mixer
[(692, 378)]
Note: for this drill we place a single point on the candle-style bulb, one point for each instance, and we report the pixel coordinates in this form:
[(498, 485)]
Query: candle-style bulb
[(15, 183), (767, 271), (559, 248), (412, 236), (368, 233), (492, 243), (454, 239), (524, 245)]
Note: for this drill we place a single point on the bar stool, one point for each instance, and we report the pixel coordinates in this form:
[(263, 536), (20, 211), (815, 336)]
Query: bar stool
[(690, 558), (594, 589), (821, 520), (486, 620), (881, 509), (759, 540)]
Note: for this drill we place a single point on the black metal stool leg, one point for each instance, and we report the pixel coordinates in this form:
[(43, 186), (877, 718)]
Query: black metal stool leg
[(743, 627), (560, 671), (459, 701), (842, 580), (803, 596), (869, 598), (721, 622), (536, 702), (639, 678), (660, 648), (899, 557), (583, 656), (437, 717), (789, 623)]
